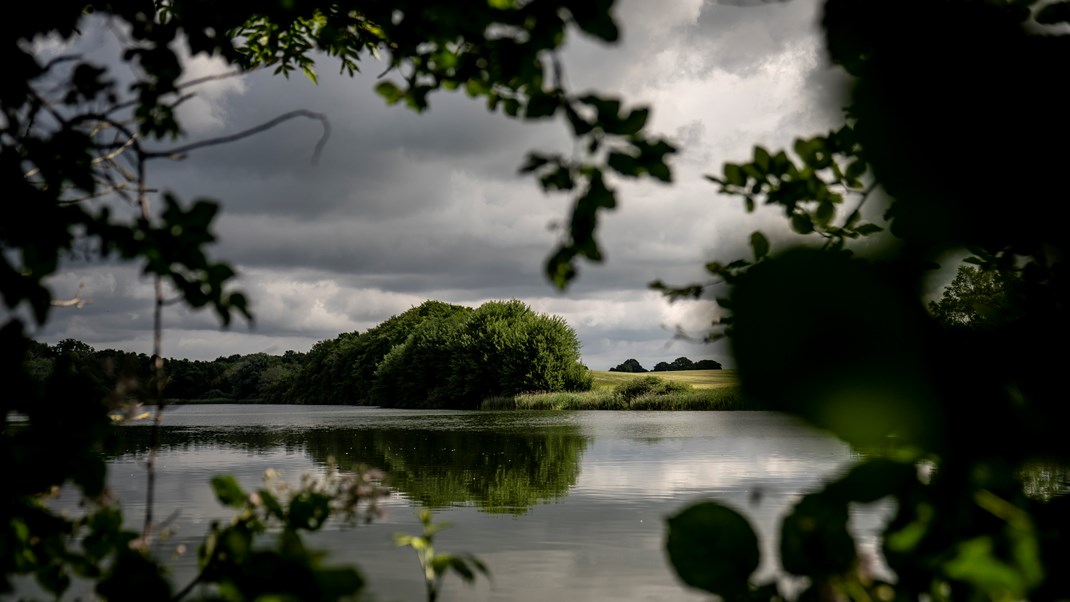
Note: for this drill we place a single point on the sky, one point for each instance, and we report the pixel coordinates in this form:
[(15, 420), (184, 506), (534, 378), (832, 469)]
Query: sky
[(404, 207)]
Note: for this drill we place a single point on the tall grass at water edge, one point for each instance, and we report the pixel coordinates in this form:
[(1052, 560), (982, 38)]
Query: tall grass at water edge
[(636, 392)]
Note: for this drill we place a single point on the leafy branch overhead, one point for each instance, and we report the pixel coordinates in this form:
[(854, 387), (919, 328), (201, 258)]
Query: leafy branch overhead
[(821, 186)]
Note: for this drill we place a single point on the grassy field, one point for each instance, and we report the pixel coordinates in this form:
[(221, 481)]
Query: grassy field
[(699, 379), (690, 390)]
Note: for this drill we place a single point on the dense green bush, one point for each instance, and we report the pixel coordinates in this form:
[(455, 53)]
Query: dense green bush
[(416, 372), (649, 385), (578, 378), (343, 370), (501, 348)]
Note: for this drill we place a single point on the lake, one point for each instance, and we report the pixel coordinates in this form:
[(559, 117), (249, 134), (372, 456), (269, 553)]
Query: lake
[(559, 505)]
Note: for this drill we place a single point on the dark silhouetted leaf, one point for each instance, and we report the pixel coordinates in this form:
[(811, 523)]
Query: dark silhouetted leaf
[(713, 548)]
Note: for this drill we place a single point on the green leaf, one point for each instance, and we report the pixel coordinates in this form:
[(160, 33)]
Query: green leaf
[(875, 479), (733, 175), (228, 492), (541, 105), (580, 126), (855, 169), (271, 503), (389, 91), (762, 158), (713, 548), (814, 541), (309, 511), (534, 162), (801, 223), (825, 212), (635, 121), (976, 562), (760, 244), (626, 165), (338, 583)]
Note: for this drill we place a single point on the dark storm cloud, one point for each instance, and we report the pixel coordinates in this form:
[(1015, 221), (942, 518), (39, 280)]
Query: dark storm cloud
[(404, 207), (379, 161)]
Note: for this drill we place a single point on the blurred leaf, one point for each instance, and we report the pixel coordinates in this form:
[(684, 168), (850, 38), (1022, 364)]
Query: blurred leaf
[(1053, 13), (713, 548), (228, 492), (541, 105), (814, 540), (800, 222), (734, 175), (760, 244), (389, 91)]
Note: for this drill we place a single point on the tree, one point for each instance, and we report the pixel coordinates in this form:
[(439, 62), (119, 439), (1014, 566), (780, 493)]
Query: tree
[(662, 367), (707, 365), (838, 333), (977, 298), (682, 363), (501, 348), (628, 365)]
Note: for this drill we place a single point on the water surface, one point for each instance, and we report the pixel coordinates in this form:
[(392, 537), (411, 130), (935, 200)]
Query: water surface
[(560, 505)]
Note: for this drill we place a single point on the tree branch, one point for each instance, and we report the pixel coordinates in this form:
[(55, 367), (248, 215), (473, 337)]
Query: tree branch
[(181, 151), (76, 301), (178, 153)]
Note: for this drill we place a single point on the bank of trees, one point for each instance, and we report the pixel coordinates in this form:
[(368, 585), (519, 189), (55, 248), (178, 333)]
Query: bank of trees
[(680, 363), (122, 375), (441, 355), (431, 356)]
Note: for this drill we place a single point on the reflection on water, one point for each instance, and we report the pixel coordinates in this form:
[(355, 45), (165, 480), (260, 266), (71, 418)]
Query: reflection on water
[(560, 505), (495, 469)]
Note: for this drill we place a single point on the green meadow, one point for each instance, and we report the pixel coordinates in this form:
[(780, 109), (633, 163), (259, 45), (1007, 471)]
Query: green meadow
[(699, 379), (683, 390)]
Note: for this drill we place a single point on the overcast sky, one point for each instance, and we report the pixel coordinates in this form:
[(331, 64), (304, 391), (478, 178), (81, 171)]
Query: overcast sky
[(404, 207)]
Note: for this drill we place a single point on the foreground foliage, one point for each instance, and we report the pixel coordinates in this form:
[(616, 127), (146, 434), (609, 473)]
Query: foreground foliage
[(435, 565), (844, 339)]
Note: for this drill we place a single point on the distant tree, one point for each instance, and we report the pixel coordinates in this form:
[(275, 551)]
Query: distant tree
[(629, 365), (682, 363), (662, 367), (707, 365), (978, 298)]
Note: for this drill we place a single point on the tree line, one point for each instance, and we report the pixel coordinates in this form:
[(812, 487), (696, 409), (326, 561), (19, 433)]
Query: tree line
[(433, 355), (680, 363)]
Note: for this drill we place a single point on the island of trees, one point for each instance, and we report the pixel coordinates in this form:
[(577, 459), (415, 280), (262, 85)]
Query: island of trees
[(435, 355), (680, 363)]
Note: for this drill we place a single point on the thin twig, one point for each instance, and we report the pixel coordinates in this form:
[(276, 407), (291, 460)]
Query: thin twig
[(63, 58), (76, 301), (189, 84), (178, 153), (157, 367), (116, 189), (861, 201)]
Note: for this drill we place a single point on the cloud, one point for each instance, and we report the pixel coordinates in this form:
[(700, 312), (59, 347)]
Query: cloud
[(403, 207)]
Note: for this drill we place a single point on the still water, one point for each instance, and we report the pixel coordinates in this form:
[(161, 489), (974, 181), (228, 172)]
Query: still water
[(559, 505)]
